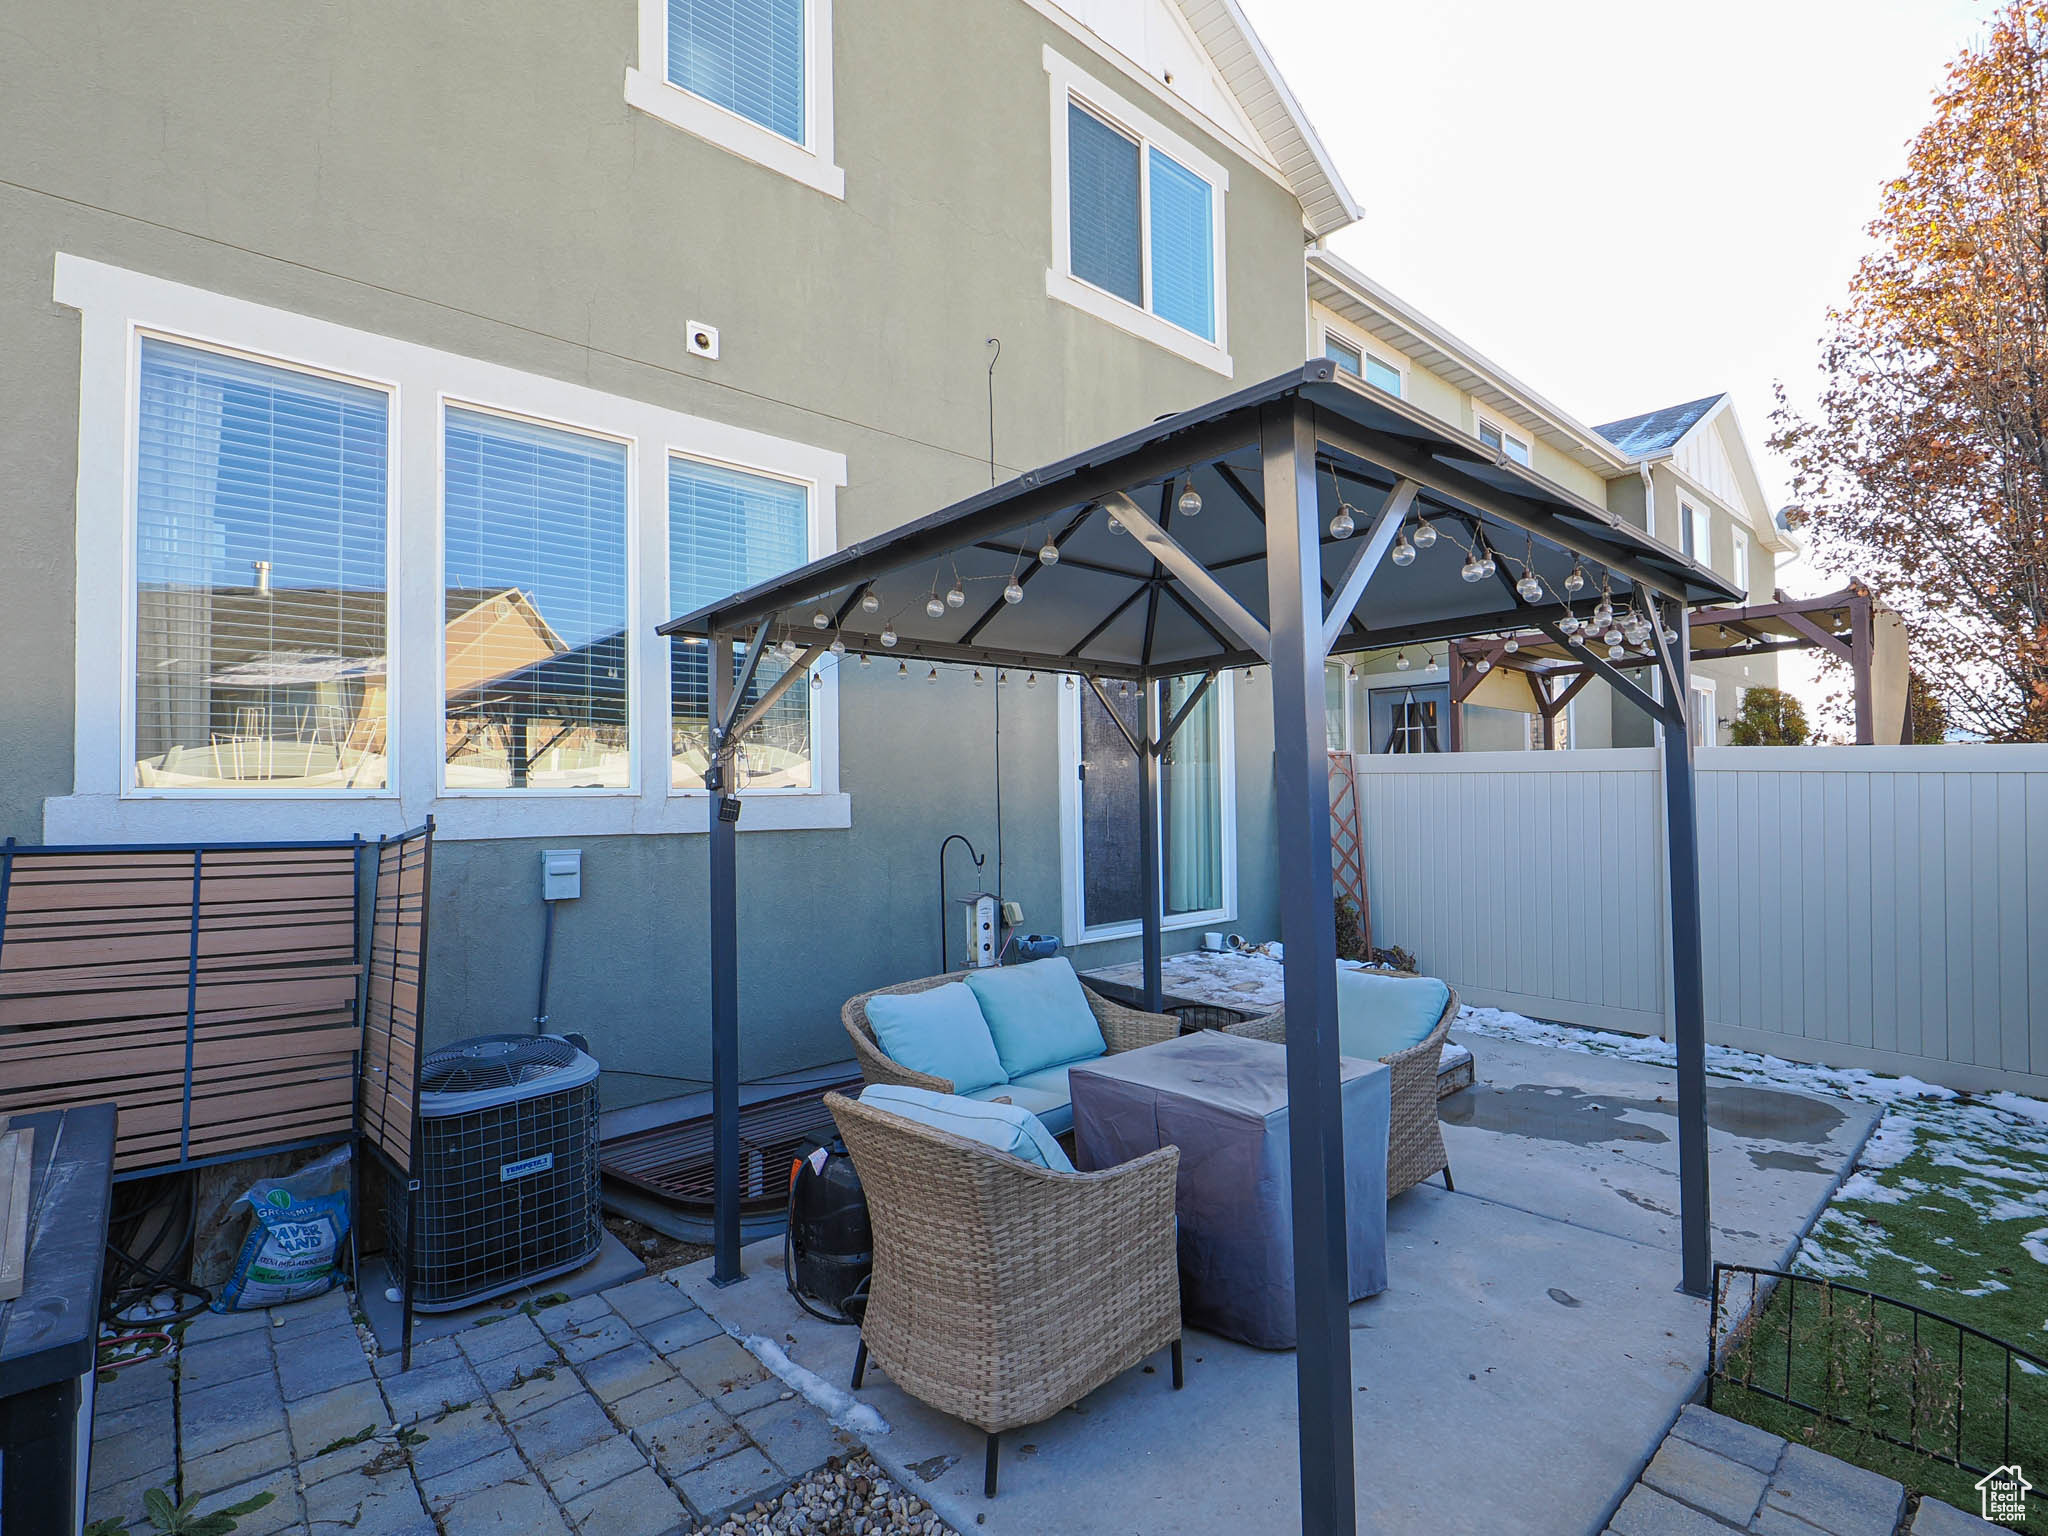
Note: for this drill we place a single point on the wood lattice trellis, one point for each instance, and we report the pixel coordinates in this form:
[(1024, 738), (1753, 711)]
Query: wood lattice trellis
[(1347, 840)]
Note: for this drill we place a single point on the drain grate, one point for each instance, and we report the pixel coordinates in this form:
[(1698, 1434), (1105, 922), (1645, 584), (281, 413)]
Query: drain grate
[(673, 1162)]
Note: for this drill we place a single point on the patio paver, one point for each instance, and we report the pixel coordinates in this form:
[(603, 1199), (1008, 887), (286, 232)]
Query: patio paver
[(580, 1417)]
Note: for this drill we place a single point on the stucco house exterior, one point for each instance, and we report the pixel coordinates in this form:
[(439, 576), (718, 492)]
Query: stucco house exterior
[(1684, 473), (377, 382)]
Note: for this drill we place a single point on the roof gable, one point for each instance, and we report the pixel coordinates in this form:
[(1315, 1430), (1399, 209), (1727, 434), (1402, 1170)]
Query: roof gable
[(1656, 431), (1204, 54)]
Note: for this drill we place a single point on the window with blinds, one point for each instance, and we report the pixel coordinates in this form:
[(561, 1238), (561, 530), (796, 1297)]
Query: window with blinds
[(534, 605), (727, 530), (1140, 225), (261, 576), (744, 55), (1191, 822)]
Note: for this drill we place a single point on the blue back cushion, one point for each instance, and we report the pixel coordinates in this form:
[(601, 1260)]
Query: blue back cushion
[(940, 1031), (1038, 1015), (1380, 1015), (1006, 1127)]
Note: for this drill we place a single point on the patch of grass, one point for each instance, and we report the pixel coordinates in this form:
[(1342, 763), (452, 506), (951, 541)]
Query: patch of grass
[(1949, 1213), (365, 1433)]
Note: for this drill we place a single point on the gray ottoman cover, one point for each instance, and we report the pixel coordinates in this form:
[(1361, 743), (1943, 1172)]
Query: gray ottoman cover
[(1223, 1101)]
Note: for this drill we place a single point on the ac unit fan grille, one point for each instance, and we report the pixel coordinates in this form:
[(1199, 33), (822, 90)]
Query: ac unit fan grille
[(482, 1232), (494, 1061)]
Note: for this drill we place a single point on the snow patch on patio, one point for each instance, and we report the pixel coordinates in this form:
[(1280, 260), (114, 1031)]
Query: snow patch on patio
[(844, 1409)]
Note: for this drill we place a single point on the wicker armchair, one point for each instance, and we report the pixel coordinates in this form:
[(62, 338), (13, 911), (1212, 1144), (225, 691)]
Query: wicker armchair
[(1004, 1292), (1123, 1029), (1415, 1140)]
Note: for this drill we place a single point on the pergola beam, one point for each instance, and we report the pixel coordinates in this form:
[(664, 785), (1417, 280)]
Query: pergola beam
[(1202, 587), (1385, 529)]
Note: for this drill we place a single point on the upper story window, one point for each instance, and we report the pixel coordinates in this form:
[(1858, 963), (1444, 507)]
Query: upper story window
[(751, 76), (727, 530), (1696, 532), (1503, 442), (1137, 221), (1361, 364), (261, 576), (534, 634), (1740, 569)]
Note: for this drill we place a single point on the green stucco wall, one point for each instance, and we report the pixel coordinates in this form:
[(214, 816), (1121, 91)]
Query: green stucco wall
[(484, 189)]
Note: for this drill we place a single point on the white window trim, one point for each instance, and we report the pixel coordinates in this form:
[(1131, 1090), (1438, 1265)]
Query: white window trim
[(1072, 906), (1507, 435), (116, 308), (1335, 330), (1739, 549), (811, 162), (1704, 721), (1068, 82)]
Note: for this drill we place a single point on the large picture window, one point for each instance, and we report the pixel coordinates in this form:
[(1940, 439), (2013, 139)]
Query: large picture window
[(1196, 816), (729, 529), (260, 569), (534, 565)]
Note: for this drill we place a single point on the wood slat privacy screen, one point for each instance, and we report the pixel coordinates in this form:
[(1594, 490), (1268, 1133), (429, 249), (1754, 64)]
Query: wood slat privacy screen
[(213, 993), (393, 996)]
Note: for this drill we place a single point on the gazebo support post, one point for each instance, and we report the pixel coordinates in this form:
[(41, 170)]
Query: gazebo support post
[(723, 907), (1322, 1359), (1152, 745), (1688, 968)]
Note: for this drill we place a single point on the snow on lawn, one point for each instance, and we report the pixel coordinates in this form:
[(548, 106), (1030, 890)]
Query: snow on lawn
[(1949, 1195)]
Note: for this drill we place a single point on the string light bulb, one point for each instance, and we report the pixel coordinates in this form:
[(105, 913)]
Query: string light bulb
[(1114, 525), (869, 602), (903, 670), (1486, 565), (1013, 593), (932, 676), (1403, 553), (1425, 533), (978, 678), (786, 650), (1342, 526), (1070, 682), (1401, 661), (837, 647), (955, 597), (821, 620), (1030, 679), (1472, 570), (1482, 666), (1603, 612), (935, 607), (1002, 678), (1512, 645), (1048, 553), (817, 681), (1616, 652), (888, 637), (1190, 503), (1575, 579), (1529, 589), (866, 660)]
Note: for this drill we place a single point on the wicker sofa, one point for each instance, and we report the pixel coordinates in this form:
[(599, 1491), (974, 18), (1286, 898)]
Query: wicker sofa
[(1003, 1292), (1415, 1140), (1123, 1029)]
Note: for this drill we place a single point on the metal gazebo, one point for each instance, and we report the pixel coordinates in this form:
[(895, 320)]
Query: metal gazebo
[(1332, 521)]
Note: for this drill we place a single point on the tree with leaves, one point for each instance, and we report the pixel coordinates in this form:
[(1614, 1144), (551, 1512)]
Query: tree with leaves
[(1925, 468), (1769, 717)]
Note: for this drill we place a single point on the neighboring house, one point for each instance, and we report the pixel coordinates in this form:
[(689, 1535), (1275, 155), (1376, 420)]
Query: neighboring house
[(377, 380), (1685, 474)]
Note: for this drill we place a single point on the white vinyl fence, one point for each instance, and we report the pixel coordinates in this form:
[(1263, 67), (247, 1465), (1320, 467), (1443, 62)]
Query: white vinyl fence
[(1884, 907)]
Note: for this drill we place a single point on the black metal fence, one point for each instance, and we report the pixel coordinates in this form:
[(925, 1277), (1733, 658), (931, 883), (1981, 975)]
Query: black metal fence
[(1877, 1366)]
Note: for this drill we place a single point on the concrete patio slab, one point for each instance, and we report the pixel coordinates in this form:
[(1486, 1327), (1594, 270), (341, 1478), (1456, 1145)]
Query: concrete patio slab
[(1526, 1361)]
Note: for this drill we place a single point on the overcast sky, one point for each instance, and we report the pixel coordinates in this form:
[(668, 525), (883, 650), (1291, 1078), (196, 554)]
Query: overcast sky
[(1624, 203)]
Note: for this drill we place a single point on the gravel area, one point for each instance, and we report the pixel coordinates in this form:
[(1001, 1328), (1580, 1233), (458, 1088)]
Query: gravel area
[(850, 1498)]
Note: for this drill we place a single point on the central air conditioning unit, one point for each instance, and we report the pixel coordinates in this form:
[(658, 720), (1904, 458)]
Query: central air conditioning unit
[(507, 1168)]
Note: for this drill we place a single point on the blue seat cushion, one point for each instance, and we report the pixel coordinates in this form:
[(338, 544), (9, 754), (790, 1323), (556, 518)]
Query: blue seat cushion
[(940, 1031), (1008, 1128), (1044, 1093), (1038, 1015), (1379, 1016)]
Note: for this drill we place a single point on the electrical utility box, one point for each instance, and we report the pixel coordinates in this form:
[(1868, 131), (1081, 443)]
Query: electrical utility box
[(979, 913), (561, 874)]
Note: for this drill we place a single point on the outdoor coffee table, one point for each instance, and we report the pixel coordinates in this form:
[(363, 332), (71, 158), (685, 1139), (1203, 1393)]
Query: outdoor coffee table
[(1223, 1101)]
